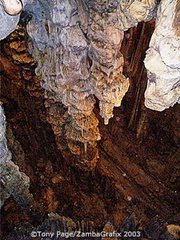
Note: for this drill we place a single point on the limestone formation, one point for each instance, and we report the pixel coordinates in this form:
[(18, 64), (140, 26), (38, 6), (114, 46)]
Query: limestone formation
[(9, 15), (134, 11), (12, 7), (106, 79), (63, 66), (132, 176), (13, 182), (163, 59), (77, 45)]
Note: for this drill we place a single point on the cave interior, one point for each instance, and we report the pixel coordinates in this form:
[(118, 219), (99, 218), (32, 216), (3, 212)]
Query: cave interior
[(72, 170)]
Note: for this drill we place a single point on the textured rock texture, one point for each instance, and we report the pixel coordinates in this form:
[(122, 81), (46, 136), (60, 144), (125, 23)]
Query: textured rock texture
[(9, 15), (138, 151), (64, 68), (12, 7), (77, 46), (133, 175), (4, 153), (163, 59), (13, 182)]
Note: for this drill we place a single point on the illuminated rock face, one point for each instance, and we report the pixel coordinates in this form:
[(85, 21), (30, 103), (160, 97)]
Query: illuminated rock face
[(79, 56), (77, 46), (64, 68), (163, 59)]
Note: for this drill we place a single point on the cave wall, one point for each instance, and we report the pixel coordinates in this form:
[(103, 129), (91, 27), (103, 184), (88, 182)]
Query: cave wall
[(137, 169), (133, 168), (78, 69)]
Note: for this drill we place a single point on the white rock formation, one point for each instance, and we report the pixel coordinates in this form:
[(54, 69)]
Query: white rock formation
[(12, 7), (163, 59), (9, 15), (133, 11)]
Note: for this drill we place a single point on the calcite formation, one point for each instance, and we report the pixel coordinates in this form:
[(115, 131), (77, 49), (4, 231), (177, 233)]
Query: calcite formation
[(5, 154), (13, 182), (12, 7), (9, 15), (106, 79), (163, 59), (79, 57), (77, 46), (64, 68)]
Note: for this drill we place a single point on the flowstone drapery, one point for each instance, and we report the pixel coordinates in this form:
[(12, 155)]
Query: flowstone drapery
[(77, 46), (163, 59)]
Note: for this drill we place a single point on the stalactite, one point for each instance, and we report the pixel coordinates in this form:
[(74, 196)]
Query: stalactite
[(63, 68), (66, 43)]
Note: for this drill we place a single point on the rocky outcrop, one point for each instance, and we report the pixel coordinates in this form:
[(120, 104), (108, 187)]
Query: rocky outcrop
[(163, 59)]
